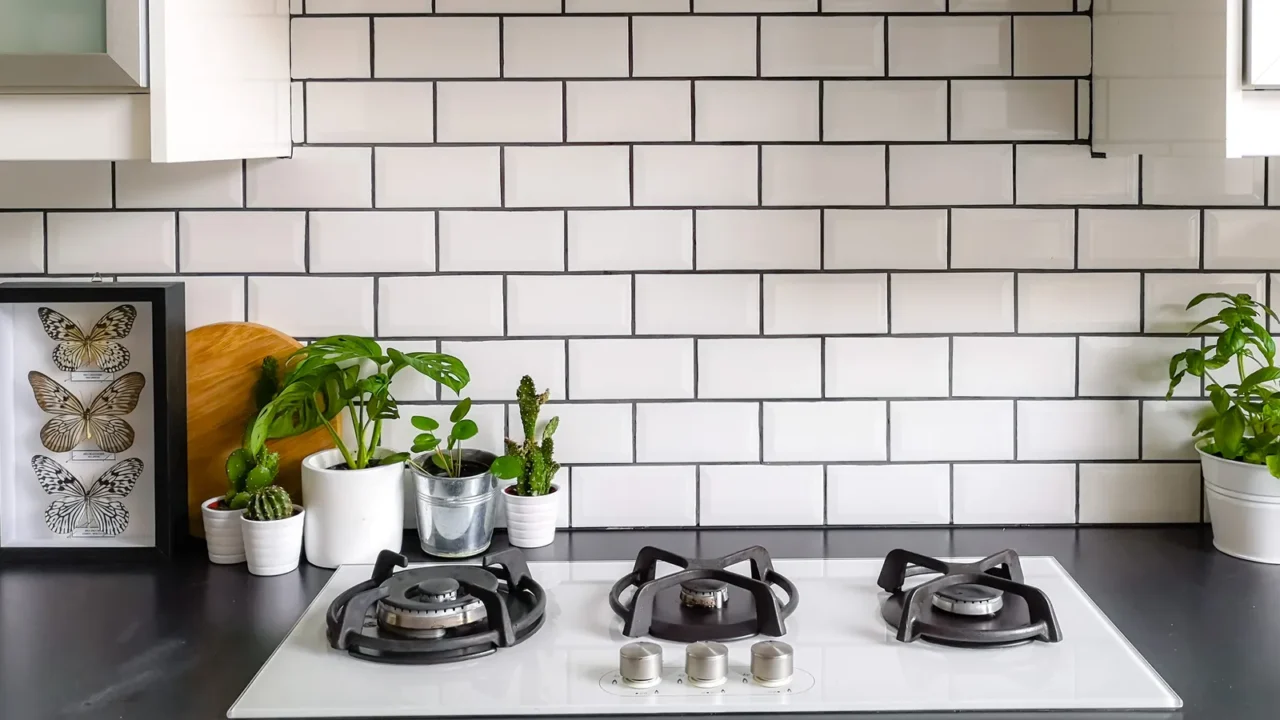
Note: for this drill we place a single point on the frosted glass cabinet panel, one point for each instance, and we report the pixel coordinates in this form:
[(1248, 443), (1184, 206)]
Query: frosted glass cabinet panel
[(53, 26)]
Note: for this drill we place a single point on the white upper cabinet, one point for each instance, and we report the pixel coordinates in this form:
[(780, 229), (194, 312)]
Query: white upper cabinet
[(160, 80), (1186, 77)]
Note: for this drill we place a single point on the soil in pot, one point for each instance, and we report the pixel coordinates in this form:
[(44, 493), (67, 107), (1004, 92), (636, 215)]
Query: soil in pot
[(469, 469), (511, 490)]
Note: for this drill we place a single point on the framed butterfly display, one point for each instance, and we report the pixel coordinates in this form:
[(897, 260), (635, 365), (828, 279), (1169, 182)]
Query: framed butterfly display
[(92, 420)]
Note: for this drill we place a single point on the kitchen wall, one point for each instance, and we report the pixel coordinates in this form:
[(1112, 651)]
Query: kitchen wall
[(783, 262)]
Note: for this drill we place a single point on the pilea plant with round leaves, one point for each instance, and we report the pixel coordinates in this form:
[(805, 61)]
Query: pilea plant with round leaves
[(1244, 423), (445, 454)]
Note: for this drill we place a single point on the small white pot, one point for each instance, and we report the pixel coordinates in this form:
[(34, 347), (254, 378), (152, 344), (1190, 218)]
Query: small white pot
[(531, 521), (222, 533), (352, 514), (272, 547), (1244, 507)]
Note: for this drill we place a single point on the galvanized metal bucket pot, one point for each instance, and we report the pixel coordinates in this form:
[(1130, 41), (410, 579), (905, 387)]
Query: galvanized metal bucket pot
[(455, 515)]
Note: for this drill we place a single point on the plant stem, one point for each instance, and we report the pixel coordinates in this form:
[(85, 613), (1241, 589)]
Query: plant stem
[(376, 441), (337, 440)]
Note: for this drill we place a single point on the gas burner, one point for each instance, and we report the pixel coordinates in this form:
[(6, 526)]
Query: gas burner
[(703, 601), (981, 604), (437, 614)]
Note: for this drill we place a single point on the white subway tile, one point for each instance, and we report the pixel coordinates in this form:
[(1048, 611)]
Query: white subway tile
[(1140, 493), (697, 304), (569, 305), (697, 432), (885, 110), (951, 175), (209, 299), (949, 46), (1013, 110), (1167, 297), (1021, 6), (730, 368), (631, 240), (412, 386), (1012, 238), (142, 184), (626, 6), (676, 46), (885, 5), (511, 241), (1243, 239), (370, 112), (952, 303), (886, 239), (297, 111), (496, 366), (436, 47), (756, 110), (825, 304), (925, 430), (565, 46), (1139, 238), (245, 242), (315, 177), (329, 47), (1077, 429), (822, 46), (695, 175), (760, 6), (1069, 175), (761, 495), (1167, 426), (438, 177), (631, 369), (629, 111), (887, 367), (759, 239), (1079, 303), (635, 496), (830, 431), (596, 433), (1203, 181), (55, 185), (897, 494), (1015, 494), (1273, 193), (21, 243), (110, 243), (567, 176), (444, 306), (823, 175), (497, 6), (1131, 366), (1014, 366), (1056, 45), (333, 305), (370, 241), (1084, 109), (390, 7)]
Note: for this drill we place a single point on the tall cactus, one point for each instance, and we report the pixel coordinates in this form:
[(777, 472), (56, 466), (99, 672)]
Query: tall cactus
[(269, 503), (538, 467)]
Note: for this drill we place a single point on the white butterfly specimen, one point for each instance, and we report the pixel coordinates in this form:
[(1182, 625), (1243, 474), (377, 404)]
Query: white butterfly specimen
[(101, 421), (98, 509), (77, 349)]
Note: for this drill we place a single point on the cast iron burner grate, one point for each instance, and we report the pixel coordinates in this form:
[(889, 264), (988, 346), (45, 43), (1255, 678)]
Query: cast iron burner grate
[(980, 604), (437, 614), (704, 600)]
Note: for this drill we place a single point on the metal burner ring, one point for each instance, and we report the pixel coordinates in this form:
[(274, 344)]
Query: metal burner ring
[(969, 600), (708, 594), (473, 611)]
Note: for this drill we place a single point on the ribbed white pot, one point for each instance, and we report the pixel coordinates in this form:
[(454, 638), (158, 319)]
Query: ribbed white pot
[(272, 547), (352, 515), (1244, 507), (222, 533), (531, 521)]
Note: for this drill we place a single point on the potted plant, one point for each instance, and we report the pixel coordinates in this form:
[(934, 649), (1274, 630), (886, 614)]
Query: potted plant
[(531, 501), (1239, 440), (354, 493), (271, 524)]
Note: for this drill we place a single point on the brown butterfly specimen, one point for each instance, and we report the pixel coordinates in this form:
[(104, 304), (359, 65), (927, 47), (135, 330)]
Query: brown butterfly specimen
[(97, 508), (100, 422), (78, 349)]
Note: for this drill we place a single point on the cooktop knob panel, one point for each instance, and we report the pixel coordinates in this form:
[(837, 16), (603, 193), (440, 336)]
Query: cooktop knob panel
[(772, 663), (706, 664), (640, 664)]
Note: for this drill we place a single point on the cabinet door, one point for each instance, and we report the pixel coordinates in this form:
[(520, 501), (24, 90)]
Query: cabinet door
[(1262, 44), (73, 43), (219, 80)]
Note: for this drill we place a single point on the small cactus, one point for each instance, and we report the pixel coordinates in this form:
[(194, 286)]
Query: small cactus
[(247, 475), (269, 503), (530, 462)]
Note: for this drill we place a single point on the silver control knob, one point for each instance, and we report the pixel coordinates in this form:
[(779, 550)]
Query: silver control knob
[(706, 664), (772, 663), (640, 664)]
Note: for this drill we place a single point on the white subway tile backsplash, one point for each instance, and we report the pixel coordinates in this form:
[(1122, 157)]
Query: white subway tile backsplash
[(209, 299), (141, 184), (888, 367), (1167, 426), (831, 431), (1077, 429), (55, 185), (628, 111), (1012, 238), (436, 47), (825, 304), (498, 112), (697, 304), (329, 47), (245, 242), (1167, 296), (819, 46), (566, 176), (298, 111), (1068, 174), (884, 5), (446, 177), (1052, 45), (951, 175), (1021, 6), (945, 46), (635, 496), (369, 112), (496, 366), (497, 6), (885, 110), (315, 177), (109, 243), (626, 6), (371, 241), (761, 495), (596, 433), (1079, 303), (631, 368), (554, 305), (952, 303), (1140, 493), (21, 243), (334, 305), (1203, 181), (695, 175), (698, 432), (630, 240), (885, 239), (1014, 367), (674, 46), (564, 46), (759, 239), (760, 6), (924, 430), (343, 7), (823, 175), (497, 241), (756, 110), (1139, 238), (1019, 494), (730, 368), (1241, 239), (1013, 110), (1131, 366), (444, 306), (899, 494)]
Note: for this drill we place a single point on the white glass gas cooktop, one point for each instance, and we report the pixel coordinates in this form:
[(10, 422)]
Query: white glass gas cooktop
[(846, 660)]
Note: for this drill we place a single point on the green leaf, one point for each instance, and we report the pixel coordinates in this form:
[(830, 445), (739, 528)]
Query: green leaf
[(1205, 425), (1261, 375), (1219, 398), (464, 430), (1195, 363), (1173, 383), (507, 467), (390, 459), (422, 422), (1230, 316), (1175, 361), (1215, 362), (1203, 323), (1273, 465), (1230, 341), (441, 461), (1228, 431), (1205, 296), (425, 443), (550, 429), (460, 411), (444, 369)]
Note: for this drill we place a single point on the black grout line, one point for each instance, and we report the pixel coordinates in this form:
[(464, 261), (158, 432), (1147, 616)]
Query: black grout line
[(305, 113), (1142, 302), (506, 306), (246, 298), (888, 431), (113, 185), (177, 244), (44, 233), (822, 103), (759, 49), (1077, 493), (244, 184), (951, 366), (565, 221), (373, 178), (693, 111), (502, 46), (760, 175), (564, 112), (1012, 53), (1077, 387), (885, 22), (760, 427), (1016, 302), (631, 46), (631, 177), (1016, 402), (377, 286), (1075, 265), (567, 395), (1013, 174), (950, 111), (1202, 239), (372, 64), (436, 248), (887, 198), (435, 111), (1140, 431), (951, 490), (1140, 183), (502, 177)]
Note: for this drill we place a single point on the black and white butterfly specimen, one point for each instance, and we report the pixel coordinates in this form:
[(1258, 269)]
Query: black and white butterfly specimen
[(98, 348), (98, 509), (100, 422)]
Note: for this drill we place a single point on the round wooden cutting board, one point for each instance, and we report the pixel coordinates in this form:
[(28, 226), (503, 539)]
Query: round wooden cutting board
[(224, 362)]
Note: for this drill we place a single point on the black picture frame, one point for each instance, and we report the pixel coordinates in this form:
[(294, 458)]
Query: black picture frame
[(169, 385)]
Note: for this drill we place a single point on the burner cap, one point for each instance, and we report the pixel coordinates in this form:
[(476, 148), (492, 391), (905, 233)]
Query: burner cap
[(709, 594), (971, 600), (438, 590)]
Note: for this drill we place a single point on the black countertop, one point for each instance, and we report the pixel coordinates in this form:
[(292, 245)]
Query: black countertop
[(179, 641)]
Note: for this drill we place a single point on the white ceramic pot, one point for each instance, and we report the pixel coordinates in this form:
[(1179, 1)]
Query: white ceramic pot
[(1244, 507), (222, 533), (272, 547), (352, 515), (531, 521)]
